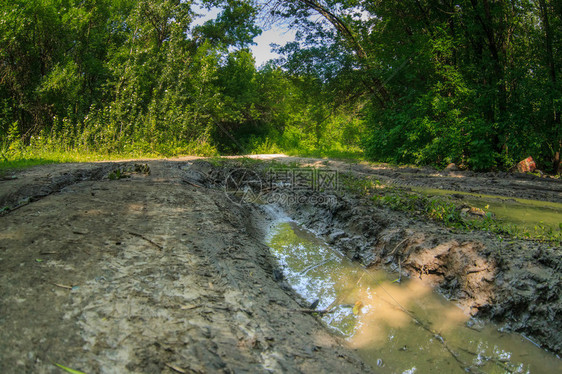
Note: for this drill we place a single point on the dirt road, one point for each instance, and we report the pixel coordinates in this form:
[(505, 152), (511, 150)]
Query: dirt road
[(145, 273), (504, 184), (148, 266)]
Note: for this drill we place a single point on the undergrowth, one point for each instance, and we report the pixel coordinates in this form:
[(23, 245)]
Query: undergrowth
[(39, 157)]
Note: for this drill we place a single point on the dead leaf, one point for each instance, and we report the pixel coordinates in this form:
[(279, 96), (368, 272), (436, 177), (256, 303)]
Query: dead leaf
[(357, 307), (63, 286)]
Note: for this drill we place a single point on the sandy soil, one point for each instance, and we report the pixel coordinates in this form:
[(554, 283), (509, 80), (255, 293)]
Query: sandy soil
[(149, 266)]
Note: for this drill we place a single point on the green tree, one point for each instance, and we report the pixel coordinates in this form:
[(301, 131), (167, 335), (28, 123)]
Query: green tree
[(473, 82)]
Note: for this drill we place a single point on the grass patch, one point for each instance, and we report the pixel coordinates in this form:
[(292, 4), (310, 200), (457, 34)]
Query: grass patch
[(38, 157), (347, 155), (450, 213), (26, 156)]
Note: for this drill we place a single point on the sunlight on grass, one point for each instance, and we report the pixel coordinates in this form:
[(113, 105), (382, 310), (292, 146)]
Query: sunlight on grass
[(44, 157), (351, 154), (68, 370)]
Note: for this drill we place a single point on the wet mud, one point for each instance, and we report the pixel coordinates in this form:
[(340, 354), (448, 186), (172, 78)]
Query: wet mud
[(150, 266), (515, 283), (143, 270)]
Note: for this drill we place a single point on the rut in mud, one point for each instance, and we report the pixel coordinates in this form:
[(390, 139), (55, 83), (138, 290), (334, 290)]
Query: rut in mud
[(516, 283), (144, 272), (118, 267)]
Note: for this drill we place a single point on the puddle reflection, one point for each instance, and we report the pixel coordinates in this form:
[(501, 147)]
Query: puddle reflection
[(397, 327)]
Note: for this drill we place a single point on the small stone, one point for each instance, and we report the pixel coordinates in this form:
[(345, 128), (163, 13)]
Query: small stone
[(314, 305)]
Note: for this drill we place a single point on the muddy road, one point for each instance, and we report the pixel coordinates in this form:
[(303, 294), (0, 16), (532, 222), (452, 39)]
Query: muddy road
[(149, 266), (143, 272), (506, 184)]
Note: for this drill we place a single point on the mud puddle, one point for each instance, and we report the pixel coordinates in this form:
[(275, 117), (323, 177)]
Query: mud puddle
[(397, 325), (523, 213)]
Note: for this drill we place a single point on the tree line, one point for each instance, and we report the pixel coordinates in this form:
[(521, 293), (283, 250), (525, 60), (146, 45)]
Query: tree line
[(475, 82)]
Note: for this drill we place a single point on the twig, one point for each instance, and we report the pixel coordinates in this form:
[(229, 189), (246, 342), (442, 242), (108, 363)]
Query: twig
[(476, 270), (488, 358), (191, 183), (311, 311), (397, 245), (63, 286), (148, 240), (360, 278), (175, 368), (311, 267), (20, 204), (472, 328), (529, 339)]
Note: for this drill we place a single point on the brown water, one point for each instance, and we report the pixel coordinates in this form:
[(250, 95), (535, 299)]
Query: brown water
[(398, 326)]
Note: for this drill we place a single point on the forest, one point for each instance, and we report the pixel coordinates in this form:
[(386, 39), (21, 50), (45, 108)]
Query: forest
[(471, 82)]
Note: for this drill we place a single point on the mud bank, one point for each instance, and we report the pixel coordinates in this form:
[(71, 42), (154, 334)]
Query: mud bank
[(514, 283), (121, 268)]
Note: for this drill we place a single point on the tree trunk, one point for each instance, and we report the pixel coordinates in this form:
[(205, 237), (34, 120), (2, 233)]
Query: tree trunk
[(554, 119)]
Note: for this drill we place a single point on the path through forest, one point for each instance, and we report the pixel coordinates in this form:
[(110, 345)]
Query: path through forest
[(149, 266)]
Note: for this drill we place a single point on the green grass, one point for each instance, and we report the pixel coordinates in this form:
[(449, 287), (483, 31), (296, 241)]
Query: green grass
[(333, 150), (67, 369), (33, 157), (442, 210), (337, 154)]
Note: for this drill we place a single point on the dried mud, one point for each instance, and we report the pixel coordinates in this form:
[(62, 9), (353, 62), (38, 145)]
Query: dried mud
[(117, 267)]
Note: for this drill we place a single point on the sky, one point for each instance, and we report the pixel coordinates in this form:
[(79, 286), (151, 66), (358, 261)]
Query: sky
[(276, 34), (262, 51)]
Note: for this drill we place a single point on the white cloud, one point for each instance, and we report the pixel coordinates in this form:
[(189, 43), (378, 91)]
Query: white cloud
[(276, 35)]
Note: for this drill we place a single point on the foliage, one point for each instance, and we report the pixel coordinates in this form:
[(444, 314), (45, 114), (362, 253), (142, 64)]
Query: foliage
[(114, 77), (471, 82)]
